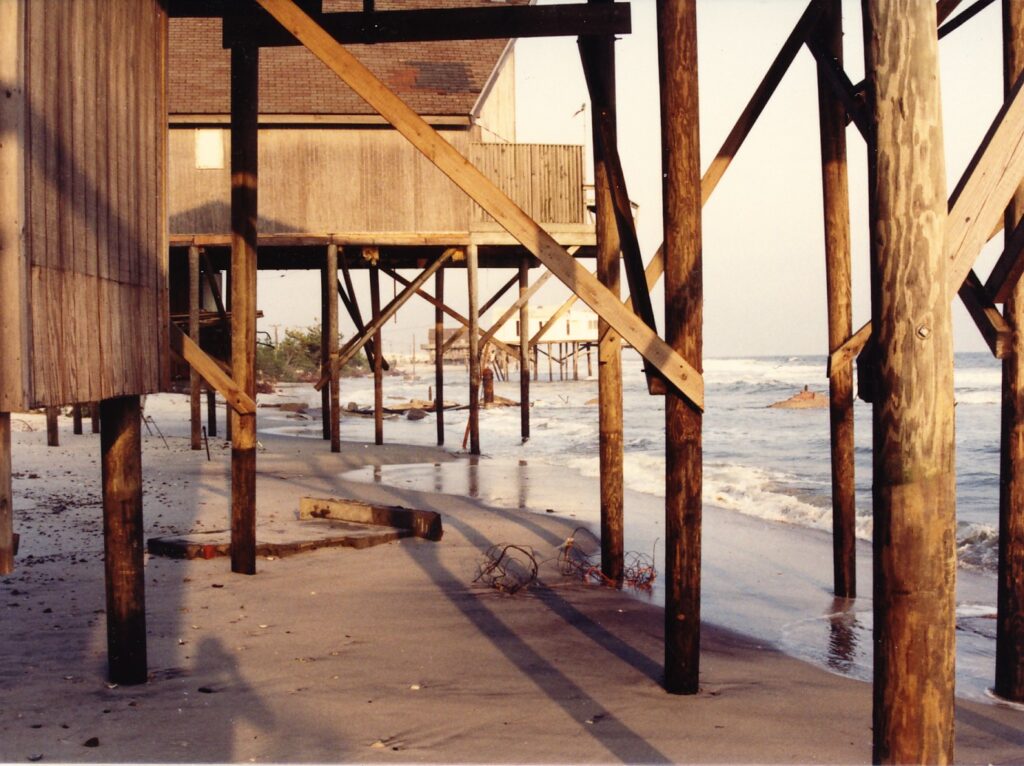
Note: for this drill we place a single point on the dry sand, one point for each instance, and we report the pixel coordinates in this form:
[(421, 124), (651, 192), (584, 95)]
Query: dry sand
[(389, 654)]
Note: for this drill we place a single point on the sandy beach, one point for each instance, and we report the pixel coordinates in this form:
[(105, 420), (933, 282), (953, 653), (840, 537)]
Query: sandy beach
[(389, 654)]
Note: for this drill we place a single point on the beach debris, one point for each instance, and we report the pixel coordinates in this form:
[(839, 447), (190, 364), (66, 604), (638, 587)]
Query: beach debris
[(35, 757), (580, 555), (508, 568), (92, 742), (415, 414)]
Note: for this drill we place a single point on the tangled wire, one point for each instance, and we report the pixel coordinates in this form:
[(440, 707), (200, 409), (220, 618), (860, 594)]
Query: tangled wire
[(508, 568), (580, 555)]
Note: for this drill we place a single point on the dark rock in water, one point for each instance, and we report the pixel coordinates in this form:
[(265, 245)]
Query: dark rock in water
[(416, 414)]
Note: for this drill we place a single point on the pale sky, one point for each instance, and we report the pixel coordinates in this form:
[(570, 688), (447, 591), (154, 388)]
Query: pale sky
[(764, 279)]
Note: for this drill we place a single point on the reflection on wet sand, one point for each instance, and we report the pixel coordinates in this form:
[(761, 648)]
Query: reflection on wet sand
[(841, 653)]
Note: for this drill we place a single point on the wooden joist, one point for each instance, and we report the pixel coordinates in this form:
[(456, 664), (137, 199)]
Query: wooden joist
[(211, 371), (442, 24), (976, 205), (672, 367)]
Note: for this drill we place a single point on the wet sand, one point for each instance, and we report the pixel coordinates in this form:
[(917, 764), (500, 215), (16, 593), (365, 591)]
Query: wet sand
[(388, 654)]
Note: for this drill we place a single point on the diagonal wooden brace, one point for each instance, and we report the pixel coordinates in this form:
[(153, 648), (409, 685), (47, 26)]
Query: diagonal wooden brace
[(353, 346), (993, 327), (676, 371), (211, 371), (1009, 268), (975, 207)]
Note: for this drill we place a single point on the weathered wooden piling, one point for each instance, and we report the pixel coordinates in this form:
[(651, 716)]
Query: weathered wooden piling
[(52, 427), (472, 281), (325, 354), (836, 202), (1009, 681), (524, 350), (332, 412), (6, 497), (194, 381), (76, 419), (677, 45), (211, 412), (378, 355), (94, 416), (244, 176), (439, 355), (121, 448), (914, 487), (609, 359)]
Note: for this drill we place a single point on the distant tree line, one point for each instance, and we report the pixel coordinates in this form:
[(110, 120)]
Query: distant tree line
[(296, 358)]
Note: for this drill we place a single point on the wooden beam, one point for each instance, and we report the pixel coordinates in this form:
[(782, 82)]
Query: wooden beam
[(485, 193), (1009, 267), (827, 41), (986, 316), (1009, 665), (351, 301), (211, 283), (831, 72), (914, 485), (378, 371), (472, 283), (195, 403), (677, 48), (211, 371), (984, 190), (439, 355), (244, 174), (330, 327), (525, 293), (442, 24), (353, 346), (524, 345), (6, 497), (610, 449), (964, 17), (121, 469)]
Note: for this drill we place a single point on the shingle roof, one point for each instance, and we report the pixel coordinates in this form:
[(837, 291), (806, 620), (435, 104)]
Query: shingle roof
[(436, 78)]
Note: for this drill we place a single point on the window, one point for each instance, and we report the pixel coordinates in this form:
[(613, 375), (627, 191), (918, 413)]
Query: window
[(209, 148)]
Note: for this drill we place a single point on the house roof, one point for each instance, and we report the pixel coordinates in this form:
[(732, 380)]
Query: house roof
[(435, 78)]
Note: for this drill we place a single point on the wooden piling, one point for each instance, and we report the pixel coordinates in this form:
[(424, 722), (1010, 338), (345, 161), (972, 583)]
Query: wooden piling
[(332, 413), (1009, 681), (536, 361), (677, 40), (551, 372), (121, 449), (52, 427), (195, 382), (474, 349), (76, 419), (211, 412), (575, 360), (378, 355), (609, 359), (524, 351), (439, 355), (914, 487), (6, 497), (835, 195), (325, 354), (94, 416), (244, 174)]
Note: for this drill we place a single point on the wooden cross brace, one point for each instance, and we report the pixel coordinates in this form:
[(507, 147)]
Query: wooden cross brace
[(211, 371)]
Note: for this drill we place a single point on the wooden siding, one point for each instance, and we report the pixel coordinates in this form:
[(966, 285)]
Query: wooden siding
[(336, 180), (94, 238), (495, 121), (545, 180)]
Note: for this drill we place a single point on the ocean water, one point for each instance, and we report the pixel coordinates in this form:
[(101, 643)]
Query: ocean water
[(767, 564), (768, 463)]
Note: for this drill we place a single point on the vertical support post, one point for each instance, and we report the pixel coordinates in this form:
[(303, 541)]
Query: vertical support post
[(524, 351), (1009, 682), (378, 356), (472, 280), (211, 412), (551, 372), (575, 360), (325, 356), (121, 450), (590, 364), (835, 195), (439, 355), (914, 481), (194, 381), (76, 419), (677, 40), (244, 174), (94, 416), (52, 428), (332, 412), (609, 360), (6, 497)]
